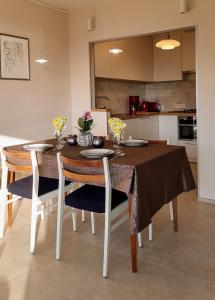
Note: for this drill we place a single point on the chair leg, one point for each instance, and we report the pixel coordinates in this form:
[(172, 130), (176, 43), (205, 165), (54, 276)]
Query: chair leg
[(106, 247), (83, 216), (33, 226), (175, 214), (51, 202), (150, 232), (43, 214), (171, 211), (93, 225), (11, 179), (59, 228), (74, 219), (2, 214), (140, 241)]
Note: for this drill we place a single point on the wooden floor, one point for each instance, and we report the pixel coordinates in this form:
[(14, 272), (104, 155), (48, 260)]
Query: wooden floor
[(174, 266)]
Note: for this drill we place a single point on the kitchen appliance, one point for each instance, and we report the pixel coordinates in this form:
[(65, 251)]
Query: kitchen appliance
[(187, 128), (153, 106), (144, 106), (133, 104)]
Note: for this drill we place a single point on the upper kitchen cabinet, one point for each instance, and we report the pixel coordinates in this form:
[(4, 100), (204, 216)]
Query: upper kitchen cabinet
[(188, 51), (134, 63), (167, 63)]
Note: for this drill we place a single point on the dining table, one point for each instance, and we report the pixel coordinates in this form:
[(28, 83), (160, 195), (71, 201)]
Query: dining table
[(151, 175)]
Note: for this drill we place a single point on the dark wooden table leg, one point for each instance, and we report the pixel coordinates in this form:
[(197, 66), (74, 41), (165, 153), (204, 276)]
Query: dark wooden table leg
[(133, 243), (175, 214), (11, 178)]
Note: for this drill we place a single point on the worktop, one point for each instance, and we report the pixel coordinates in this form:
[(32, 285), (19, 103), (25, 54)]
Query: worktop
[(142, 114)]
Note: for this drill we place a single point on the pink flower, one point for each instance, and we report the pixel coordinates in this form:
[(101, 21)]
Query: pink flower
[(86, 116)]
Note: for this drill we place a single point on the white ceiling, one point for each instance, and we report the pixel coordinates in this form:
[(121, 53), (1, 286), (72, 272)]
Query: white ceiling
[(73, 4)]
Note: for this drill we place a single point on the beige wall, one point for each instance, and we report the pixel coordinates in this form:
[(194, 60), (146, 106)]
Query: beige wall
[(28, 107), (143, 16)]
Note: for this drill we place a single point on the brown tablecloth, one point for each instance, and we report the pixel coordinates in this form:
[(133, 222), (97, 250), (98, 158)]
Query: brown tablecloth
[(153, 175)]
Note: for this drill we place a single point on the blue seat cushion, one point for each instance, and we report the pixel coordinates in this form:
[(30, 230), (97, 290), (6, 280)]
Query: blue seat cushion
[(23, 187), (92, 198)]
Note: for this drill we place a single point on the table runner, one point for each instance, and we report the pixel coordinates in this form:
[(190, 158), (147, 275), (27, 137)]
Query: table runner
[(153, 175)]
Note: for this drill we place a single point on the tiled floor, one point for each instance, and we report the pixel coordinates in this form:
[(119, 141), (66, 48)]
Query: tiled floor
[(174, 266)]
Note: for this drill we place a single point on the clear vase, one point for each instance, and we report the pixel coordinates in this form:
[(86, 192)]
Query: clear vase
[(85, 139), (60, 140), (118, 139)]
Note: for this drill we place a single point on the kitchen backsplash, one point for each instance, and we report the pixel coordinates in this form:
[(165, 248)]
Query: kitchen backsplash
[(114, 94)]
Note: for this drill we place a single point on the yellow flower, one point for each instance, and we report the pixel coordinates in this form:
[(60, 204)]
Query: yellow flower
[(116, 125), (59, 122)]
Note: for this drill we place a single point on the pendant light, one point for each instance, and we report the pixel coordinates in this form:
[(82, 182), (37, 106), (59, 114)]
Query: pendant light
[(41, 59), (114, 50), (168, 44)]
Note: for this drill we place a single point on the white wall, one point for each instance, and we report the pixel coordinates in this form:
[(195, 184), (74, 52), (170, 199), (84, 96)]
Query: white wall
[(28, 107), (143, 16)]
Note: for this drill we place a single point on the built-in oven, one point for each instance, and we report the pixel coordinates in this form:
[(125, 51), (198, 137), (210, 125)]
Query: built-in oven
[(187, 128)]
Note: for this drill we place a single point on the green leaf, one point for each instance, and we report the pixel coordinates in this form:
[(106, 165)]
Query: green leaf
[(90, 123), (81, 123)]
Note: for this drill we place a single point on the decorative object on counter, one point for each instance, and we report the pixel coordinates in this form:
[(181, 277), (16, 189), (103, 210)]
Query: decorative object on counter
[(133, 104), (85, 124), (60, 126), (98, 141), (72, 139), (117, 127)]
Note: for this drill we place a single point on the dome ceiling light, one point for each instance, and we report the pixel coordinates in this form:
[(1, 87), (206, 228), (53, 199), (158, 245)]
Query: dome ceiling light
[(168, 44)]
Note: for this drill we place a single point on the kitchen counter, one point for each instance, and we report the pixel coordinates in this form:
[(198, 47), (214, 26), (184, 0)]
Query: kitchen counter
[(142, 114)]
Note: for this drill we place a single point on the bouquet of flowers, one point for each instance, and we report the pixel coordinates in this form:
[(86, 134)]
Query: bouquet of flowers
[(117, 127), (59, 123), (85, 123)]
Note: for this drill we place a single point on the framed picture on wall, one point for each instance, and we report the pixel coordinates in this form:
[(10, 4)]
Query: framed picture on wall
[(14, 57)]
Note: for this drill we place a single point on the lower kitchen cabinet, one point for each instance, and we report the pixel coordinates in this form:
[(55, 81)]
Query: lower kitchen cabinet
[(168, 129), (191, 149), (132, 128), (144, 128), (149, 128)]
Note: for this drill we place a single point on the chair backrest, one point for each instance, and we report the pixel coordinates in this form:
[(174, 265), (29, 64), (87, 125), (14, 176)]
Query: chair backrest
[(160, 142), (17, 161), (86, 171)]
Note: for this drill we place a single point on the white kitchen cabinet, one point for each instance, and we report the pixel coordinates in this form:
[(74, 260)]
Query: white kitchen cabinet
[(135, 63), (144, 128), (132, 128), (191, 149), (188, 51), (168, 129), (149, 128), (167, 63)]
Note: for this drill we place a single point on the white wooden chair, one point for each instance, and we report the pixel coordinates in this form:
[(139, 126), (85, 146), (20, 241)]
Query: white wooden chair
[(150, 235), (112, 203), (39, 189)]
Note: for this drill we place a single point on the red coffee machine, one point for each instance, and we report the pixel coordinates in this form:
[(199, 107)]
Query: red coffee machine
[(133, 104)]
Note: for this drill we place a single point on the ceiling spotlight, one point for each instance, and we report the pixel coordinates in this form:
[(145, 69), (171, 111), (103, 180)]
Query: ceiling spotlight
[(115, 51), (41, 60)]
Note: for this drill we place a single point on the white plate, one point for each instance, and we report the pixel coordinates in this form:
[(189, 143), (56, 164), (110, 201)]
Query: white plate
[(135, 142), (37, 147), (96, 153)]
